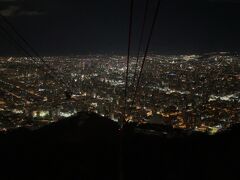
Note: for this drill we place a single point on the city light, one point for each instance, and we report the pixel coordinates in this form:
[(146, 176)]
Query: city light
[(184, 91)]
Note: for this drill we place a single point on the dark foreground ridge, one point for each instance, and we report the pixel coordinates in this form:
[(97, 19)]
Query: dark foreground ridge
[(88, 146)]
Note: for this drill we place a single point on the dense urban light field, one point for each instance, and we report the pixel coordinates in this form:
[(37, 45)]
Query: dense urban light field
[(198, 92)]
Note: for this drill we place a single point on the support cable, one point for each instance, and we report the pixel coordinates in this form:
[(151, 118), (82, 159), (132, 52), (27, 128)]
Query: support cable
[(31, 48), (128, 56), (146, 51), (140, 42)]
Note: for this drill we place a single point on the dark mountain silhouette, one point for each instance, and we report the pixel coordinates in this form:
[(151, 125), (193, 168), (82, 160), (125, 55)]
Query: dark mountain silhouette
[(88, 146), (81, 147)]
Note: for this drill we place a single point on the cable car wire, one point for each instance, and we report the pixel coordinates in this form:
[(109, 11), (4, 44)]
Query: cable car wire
[(137, 89)]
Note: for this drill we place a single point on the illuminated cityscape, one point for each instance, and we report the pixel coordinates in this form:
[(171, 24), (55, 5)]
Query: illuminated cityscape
[(122, 90), (197, 92)]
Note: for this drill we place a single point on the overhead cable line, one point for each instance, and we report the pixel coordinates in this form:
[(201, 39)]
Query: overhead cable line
[(146, 51), (128, 55), (17, 44), (30, 47), (23, 39), (140, 42)]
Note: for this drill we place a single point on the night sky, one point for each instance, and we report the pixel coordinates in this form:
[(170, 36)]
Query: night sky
[(68, 27)]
